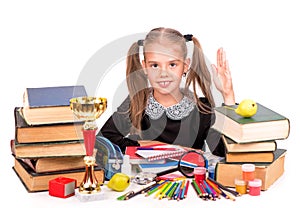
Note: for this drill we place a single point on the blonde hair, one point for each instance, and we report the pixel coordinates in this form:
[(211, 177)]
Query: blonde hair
[(137, 82)]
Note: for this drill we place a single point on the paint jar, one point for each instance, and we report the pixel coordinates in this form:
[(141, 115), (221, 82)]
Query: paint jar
[(248, 172), (200, 173), (240, 186), (211, 171), (254, 187)]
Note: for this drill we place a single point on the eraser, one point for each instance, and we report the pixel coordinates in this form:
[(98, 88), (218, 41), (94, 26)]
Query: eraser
[(62, 187)]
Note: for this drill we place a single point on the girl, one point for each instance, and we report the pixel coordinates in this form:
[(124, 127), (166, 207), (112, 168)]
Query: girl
[(157, 107)]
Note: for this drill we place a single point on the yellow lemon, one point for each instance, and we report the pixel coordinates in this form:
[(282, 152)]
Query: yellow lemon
[(246, 108), (119, 182)]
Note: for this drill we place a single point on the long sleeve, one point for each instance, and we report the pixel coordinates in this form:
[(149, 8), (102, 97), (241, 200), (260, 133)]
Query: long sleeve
[(117, 127)]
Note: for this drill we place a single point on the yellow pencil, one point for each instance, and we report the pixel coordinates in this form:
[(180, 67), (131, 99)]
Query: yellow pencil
[(229, 195), (163, 193), (161, 189)]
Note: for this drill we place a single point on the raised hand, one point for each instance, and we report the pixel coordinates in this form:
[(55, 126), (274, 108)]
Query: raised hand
[(222, 77)]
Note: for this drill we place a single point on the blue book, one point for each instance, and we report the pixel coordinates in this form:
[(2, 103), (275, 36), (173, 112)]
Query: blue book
[(52, 96), (157, 168), (153, 165), (50, 105)]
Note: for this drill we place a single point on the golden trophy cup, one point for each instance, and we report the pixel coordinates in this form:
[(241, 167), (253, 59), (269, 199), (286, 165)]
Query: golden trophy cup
[(89, 109)]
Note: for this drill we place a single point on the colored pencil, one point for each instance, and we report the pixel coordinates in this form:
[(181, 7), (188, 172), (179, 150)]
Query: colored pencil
[(163, 192), (161, 189), (183, 190), (170, 189), (155, 188), (196, 188), (177, 190), (224, 188), (209, 190), (229, 195), (204, 193), (186, 188), (170, 195)]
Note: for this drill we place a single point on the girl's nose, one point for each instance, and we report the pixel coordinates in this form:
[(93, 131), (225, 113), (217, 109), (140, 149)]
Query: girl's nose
[(163, 71)]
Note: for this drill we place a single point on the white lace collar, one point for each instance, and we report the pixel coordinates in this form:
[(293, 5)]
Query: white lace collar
[(175, 112)]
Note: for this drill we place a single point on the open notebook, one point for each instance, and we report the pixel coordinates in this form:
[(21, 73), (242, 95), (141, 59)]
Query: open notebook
[(161, 152)]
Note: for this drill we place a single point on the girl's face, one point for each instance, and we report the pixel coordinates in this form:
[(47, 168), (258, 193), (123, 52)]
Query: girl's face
[(164, 68)]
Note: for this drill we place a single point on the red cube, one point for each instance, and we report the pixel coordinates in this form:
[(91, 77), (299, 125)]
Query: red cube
[(62, 187)]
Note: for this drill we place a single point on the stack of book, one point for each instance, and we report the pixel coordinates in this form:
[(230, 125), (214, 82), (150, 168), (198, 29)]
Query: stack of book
[(251, 140), (48, 139)]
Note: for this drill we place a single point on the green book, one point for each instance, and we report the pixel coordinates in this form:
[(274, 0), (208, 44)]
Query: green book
[(265, 125)]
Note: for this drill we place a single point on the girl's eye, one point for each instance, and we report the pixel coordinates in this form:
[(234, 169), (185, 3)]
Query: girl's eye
[(172, 65), (154, 66)]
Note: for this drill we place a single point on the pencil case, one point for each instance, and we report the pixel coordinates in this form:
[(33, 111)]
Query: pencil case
[(109, 156)]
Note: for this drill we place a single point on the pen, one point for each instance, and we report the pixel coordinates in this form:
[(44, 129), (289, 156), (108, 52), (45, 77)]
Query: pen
[(123, 197), (143, 190)]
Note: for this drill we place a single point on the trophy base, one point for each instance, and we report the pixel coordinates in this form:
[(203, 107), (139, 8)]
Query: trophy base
[(89, 188), (83, 197), (89, 185)]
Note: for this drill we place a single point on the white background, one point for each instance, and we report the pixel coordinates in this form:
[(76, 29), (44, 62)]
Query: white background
[(48, 43)]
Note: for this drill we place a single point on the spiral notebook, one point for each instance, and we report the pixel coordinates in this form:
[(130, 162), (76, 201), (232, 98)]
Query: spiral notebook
[(161, 152)]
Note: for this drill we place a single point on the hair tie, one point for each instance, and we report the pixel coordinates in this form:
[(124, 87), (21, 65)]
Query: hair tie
[(188, 37), (140, 42)]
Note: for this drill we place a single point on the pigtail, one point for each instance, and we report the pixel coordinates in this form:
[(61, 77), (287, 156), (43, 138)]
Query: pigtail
[(137, 86), (199, 76)]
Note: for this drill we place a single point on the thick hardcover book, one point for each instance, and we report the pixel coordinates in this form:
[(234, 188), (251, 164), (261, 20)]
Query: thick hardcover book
[(46, 105), (252, 157), (233, 147), (51, 164), (226, 173), (265, 125), (48, 149), (25, 133), (34, 182)]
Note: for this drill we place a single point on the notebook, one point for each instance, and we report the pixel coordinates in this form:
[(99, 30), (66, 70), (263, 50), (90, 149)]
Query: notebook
[(136, 159), (161, 152)]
